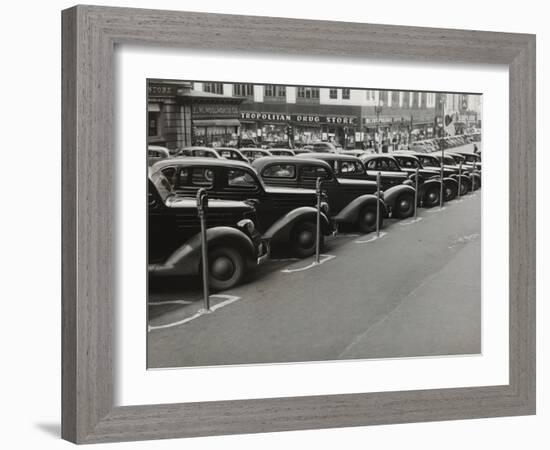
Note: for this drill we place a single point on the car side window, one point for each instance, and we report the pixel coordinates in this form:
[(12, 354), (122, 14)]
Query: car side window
[(170, 174), (237, 178), (391, 165), (195, 177), (279, 171), (350, 167), (372, 164)]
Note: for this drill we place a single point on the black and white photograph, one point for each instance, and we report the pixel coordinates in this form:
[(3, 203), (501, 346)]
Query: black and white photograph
[(295, 223)]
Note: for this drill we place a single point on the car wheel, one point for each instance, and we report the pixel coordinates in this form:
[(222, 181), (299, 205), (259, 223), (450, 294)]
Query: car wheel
[(404, 206), (449, 193), (431, 197), (477, 183), (226, 268), (367, 219), (302, 239), (464, 187)]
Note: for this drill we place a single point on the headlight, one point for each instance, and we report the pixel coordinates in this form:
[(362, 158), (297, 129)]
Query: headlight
[(247, 225), (325, 207)]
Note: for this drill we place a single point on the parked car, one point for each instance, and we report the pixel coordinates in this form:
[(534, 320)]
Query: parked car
[(246, 142), (156, 153), (467, 176), (254, 153), (399, 199), (199, 152), (174, 245), (324, 147), (285, 216), (281, 152), (231, 153), (471, 158), (300, 151), (429, 185), (450, 173), (350, 202)]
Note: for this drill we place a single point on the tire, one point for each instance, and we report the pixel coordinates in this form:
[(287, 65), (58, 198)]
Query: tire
[(366, 222), (404, 206), (431, 197), (477, 183), (465, 187), (303, 239), (449, 193), (227, 267)]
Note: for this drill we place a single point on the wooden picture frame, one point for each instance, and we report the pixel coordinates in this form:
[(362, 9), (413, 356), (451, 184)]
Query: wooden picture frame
[(90, 34)]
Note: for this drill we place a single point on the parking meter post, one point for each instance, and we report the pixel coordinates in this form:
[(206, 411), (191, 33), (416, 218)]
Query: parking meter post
[(416, 191), (201, 197), (442, 174), (318, 192), (473, 181), (459, 178), (378, 204)]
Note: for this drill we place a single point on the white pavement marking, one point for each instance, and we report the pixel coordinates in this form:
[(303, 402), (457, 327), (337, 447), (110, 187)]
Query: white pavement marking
[(372, 239), (309, 266), (436, 209), (201, 312), (410, 222), (170, 302), (464, 239)]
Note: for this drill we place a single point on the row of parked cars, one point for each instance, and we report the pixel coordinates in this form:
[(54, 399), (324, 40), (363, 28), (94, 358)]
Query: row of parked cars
[(260, 204)]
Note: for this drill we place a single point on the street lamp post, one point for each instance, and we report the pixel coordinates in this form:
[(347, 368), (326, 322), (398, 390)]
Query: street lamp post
[(378, 111)]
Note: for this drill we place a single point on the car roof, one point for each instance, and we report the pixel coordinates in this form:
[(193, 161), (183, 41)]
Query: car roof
[(408, 154), (330, 156), (159, 165), (260, 163), (369, 157)]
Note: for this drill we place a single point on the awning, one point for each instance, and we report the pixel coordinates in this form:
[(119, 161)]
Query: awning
[(216, 123), (153, 107)]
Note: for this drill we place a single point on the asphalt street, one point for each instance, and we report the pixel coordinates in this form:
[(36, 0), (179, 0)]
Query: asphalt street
[(415, 291)]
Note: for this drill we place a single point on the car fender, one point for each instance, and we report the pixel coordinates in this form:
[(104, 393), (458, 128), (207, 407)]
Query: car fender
[(350, 213), (280, 230), (450, 182), (187, 258), (391, 194)]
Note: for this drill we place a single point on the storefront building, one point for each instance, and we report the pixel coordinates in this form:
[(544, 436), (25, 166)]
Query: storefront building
[(179, 116), (298, 125)]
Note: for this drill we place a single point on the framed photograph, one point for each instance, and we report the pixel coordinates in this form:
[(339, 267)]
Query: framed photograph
[(268, 230)]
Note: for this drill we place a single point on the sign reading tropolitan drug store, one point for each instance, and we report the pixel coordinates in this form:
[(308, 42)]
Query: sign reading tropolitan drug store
[(301, 118)]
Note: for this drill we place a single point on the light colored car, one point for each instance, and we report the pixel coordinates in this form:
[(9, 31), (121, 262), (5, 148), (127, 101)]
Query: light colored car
[(156, 153)]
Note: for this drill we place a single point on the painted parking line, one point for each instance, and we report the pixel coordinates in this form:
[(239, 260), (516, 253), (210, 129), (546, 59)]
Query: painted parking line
[(170, 302), (322, 260), (409, 222), (201, 312), (372, 239), (436, 209)]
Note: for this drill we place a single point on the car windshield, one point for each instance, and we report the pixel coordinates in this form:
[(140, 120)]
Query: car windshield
[(163, 185)]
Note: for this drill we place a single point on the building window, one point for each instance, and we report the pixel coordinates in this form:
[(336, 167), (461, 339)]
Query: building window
[(243, 90), (308, 92), (153, 119), (333, 94), (214, 88), (395, 98), (371, 95), (414, 99), (406, 99), (423, 100), (346, 94), (273, 90), (431, 100), (383, 97)]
